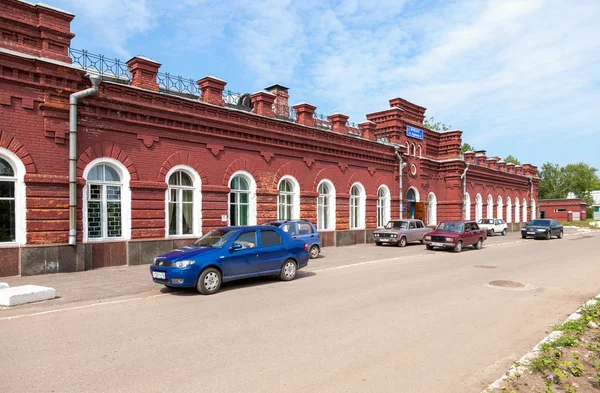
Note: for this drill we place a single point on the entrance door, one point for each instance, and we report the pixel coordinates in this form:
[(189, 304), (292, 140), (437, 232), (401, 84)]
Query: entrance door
[(419, 213)]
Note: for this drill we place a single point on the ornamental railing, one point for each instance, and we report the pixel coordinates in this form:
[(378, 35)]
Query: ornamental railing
[(100, 64), (353, 128), (284, 112), (321, 121), (178, 84)]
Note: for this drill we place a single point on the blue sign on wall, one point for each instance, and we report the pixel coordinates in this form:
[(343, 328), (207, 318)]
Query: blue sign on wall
[(403, 207), (413, 132)]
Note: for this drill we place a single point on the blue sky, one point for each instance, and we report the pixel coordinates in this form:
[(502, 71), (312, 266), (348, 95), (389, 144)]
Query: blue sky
[(517, 77)]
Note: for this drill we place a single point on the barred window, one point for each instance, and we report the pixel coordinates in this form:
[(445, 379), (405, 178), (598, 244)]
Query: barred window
[(104, 219)]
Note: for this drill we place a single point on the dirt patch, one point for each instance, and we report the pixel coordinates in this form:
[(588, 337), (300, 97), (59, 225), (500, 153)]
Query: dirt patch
[(506, 284)]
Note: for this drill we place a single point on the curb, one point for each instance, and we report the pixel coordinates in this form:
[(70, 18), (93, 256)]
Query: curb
[(520, 366)]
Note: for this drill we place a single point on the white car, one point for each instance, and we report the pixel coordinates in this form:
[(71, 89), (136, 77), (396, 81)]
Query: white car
[(493, 226)]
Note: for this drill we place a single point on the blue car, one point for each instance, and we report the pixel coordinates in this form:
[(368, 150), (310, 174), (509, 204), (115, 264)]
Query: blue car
[(301, 230), (228, 254)]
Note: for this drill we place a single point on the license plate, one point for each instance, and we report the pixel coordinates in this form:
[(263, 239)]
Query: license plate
[(385, 239), (159, 275), (531, 233), (437, 244)]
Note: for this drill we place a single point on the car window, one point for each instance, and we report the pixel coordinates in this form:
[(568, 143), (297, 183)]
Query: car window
[(420, 224), (269, 237), (413, 225), (304, 228), (290, 229), (246, 239), (474, 226), (498, 222), (451, 227), (467, 226)]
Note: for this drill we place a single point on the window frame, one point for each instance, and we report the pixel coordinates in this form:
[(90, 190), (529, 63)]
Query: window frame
[(251, 198), (196, 202), (19, 205), (357, 202), (331, 198), (383, 206), (295, 196)]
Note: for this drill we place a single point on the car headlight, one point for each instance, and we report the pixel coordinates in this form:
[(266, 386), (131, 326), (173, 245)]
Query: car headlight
[(394, 235), (376, 235), (427, 238), (183, 264), (449, 239)]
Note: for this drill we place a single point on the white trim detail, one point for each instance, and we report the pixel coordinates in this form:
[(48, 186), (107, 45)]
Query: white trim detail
[(197, 210), (524, 215), (478, 207), (20, 196), (361, 201), (125, 199), (295, 197), (467, 206), (384, 204), (533, 210), (508, 210), (332, 205), (499, 207), (431, 209), (490, 207), (517, 211), (251, 199)]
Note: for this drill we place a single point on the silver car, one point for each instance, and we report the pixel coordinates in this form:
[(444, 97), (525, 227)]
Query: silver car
[(400, 232)]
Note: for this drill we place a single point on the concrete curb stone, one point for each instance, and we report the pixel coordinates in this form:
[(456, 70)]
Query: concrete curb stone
[(25, 294)]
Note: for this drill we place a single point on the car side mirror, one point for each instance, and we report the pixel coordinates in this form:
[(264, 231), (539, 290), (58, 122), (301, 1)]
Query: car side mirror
[(236, 246)]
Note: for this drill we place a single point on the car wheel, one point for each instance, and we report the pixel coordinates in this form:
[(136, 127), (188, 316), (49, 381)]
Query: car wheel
[(314, 251), (504, 232), (429, 247), (422, 241), (478, 245), (378, 243), (548, 235), (492, 232), (288, 270), (560, 235), (524, 236), (402, 242), (458, 246), (209, 281)]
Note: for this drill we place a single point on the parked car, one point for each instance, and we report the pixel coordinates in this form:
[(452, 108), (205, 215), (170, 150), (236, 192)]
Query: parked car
[(493, 226), (456, 235), (228, 254), (542, 228), (400, 232), (301, 230)]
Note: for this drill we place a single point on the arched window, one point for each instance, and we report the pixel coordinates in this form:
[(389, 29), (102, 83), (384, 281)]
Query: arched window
[(288, 202), (499, 207), (508, 210), (242, 199), (357, 206), (478, 207), (533, 210), (490, 207), (420, 152), (414, 150), (383, 206), (517, 211), (8, 211), (107, 200), (326, 206), (183, 202), (431, 209), (524, 218), (467, 206), (407, 148)]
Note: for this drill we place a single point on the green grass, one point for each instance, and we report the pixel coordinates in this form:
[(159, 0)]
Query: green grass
[(580, 224)]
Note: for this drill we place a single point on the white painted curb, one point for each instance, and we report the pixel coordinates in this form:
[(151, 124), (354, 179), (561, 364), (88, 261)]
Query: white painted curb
[(524, 361), (4, 285), (25, 294)]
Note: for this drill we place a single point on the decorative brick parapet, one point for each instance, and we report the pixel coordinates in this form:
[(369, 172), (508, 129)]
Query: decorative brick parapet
[(492, 162), (338, 123), (518, 169), (469, 157), (510, 167), (501, 165), (263, 101), (143, 72), (367, 130), (305, 113), (212, 90)]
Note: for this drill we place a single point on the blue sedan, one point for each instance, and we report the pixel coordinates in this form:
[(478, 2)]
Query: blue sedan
[(228, 254)]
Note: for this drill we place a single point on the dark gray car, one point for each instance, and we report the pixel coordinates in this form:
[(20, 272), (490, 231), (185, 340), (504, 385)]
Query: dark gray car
[(400, 232)]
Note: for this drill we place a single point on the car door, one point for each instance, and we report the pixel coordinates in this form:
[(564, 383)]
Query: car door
[(420, 231), (498, 226), (471, 233), (306, 233), (238, 263), (271, 252), (555, 228), (412, 233)]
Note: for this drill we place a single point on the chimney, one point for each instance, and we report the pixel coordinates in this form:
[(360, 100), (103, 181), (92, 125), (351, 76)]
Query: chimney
[(281, 105)]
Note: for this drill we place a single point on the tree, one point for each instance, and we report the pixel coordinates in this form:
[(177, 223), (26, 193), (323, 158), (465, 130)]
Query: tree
[(553, 182), (513, 159), (466, 147), (437, 126)]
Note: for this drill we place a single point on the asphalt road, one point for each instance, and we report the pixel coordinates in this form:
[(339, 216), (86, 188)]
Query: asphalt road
[(360, 319)]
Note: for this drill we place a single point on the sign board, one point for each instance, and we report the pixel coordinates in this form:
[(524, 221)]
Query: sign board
[(413, 132), (224, 218), (403, 207)]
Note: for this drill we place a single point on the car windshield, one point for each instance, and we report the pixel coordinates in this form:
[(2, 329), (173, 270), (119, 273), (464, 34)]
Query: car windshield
[(485, 221), (451, 227), (542, 223), (214, 238), (397, 225)]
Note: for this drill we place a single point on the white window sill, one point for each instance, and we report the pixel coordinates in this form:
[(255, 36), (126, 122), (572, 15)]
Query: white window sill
[(10, 245), (183, 237), (105, 240)]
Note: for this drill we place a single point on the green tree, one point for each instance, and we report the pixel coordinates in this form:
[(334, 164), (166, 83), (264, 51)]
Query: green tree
[(466, 147), (553, 182), (513, 159), (436, 126)]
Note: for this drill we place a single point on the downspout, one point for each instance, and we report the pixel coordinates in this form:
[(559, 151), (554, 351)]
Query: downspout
[(533, 214), (95, 79), (399, 177), (464, 178)]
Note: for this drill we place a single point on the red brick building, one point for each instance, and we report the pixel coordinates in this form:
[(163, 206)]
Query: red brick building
[(563, 209), (159, 160)]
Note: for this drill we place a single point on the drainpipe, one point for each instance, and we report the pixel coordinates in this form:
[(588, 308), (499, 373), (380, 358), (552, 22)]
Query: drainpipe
[(464, 178), (531, 198), (399, 177), (95, 79)]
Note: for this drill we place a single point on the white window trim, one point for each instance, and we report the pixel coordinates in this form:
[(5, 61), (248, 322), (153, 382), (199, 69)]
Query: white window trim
[(20, 197), (332, 205), (387, 216), (125, 200), (362, 204), (490, 207), (251, 199), (478, 207), (524, 215), (295, 197), (508, 210), (467, 206), (499, 206), (431, 209), (533, 209), (517, 211), (197, 200)]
